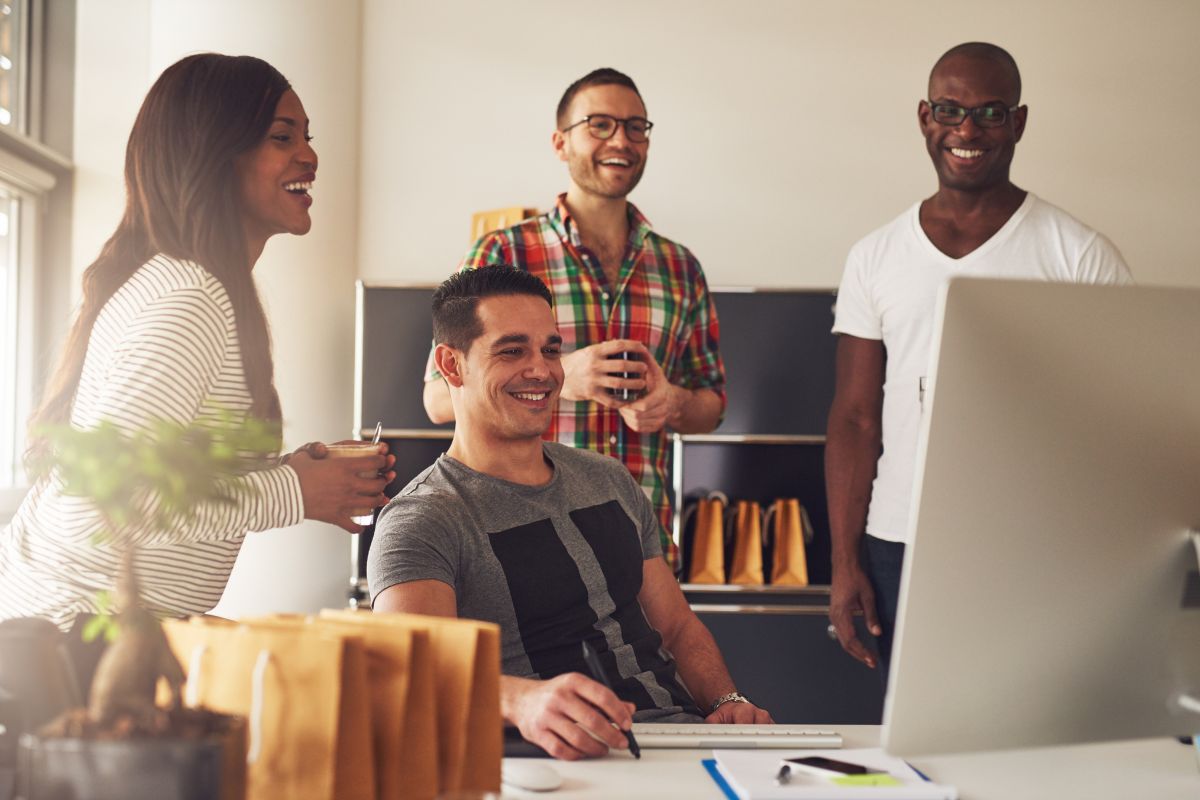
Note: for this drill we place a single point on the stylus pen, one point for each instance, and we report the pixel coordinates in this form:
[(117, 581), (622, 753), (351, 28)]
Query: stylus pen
[(589, 656)]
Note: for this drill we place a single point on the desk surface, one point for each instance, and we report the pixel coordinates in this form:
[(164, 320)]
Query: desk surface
[(1161, 769)]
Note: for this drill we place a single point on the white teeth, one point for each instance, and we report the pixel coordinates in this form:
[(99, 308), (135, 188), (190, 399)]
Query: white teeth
[(961, 153), (620, 162), (529, 396), (298, 186)]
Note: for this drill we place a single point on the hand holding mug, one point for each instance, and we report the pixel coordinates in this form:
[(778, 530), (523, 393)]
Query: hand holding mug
[(595, 372), (343, 481)]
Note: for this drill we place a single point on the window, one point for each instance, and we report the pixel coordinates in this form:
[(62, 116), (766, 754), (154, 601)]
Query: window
[(36, 42), (19, 229), (9, 289)]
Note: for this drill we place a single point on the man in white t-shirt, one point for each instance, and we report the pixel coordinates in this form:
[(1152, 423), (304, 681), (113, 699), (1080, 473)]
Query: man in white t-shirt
[(978, 223)]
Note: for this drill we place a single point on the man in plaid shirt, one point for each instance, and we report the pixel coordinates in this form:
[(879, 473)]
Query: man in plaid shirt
[(627, 300)]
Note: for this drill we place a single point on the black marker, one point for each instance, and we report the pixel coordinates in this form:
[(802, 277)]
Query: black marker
[(589, 657)]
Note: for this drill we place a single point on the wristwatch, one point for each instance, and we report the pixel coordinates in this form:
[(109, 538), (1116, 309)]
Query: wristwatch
[(732, 697)]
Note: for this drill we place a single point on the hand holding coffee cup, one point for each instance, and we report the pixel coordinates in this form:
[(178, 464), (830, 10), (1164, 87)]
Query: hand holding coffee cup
[(343, 483), (605, 373), (351, 449)]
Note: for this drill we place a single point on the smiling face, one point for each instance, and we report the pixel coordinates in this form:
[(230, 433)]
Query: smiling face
[(511, 375), (275, 177), (610, 168), (966, 156)]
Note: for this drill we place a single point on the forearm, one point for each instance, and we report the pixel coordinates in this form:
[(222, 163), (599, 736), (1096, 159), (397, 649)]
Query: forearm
[(851, 456), (699, 661), (257, 501), (436, 398), (696, 410)]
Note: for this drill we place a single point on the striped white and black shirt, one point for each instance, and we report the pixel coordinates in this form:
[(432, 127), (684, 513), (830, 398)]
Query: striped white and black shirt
[(164, 347)]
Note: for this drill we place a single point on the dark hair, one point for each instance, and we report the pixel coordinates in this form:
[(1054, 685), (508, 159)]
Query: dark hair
[(182, 199), (605, 76), (455, 319), (984, 51)]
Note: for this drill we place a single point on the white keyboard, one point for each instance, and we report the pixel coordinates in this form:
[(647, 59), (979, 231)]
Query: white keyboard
[(732, 737)]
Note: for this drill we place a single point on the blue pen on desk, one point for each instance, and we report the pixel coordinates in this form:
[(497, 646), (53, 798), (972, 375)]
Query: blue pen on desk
[(593, 663)]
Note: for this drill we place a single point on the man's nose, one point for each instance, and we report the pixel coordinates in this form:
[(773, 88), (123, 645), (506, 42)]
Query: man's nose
[(538, 367), (620, 136), (968, 128)]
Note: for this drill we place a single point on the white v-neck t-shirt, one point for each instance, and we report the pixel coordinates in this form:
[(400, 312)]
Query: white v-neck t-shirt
[(889, 292)]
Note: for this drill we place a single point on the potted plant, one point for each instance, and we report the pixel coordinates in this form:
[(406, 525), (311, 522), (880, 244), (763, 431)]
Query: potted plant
[(124, 745)]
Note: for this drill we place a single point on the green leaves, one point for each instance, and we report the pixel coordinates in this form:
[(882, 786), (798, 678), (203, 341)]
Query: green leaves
[(160, 474)]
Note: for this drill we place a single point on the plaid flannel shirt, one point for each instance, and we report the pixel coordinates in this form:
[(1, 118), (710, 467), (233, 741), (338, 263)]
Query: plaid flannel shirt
[(661, 299)]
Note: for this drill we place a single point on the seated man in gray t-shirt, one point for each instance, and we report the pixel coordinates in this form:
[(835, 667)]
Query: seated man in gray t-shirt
[(558, 546)]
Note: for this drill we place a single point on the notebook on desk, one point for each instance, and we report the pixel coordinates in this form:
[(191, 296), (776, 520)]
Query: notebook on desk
[(733, 737)]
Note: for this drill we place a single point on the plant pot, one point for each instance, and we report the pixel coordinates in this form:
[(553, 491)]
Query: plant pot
[(147, 768)]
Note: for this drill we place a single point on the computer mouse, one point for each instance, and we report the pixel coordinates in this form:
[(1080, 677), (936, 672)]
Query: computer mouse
[(527, 774)]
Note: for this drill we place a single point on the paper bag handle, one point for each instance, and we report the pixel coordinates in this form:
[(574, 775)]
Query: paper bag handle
[(191, 691), (258, 683)]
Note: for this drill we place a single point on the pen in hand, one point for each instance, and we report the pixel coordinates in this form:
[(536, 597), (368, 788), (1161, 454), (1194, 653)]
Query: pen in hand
[(593, 663)]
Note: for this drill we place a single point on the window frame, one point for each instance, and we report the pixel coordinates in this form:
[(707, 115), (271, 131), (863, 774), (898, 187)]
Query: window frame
[(40, 176)]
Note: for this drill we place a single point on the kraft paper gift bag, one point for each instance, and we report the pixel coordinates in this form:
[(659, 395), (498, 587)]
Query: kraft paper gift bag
[(466, 658), (747, 566), (789, 565), (400, 672), (707, 558), (304, 694)]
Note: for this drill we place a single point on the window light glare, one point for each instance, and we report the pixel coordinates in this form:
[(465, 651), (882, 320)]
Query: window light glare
[(5, 62), (3, 224), (5, 116)]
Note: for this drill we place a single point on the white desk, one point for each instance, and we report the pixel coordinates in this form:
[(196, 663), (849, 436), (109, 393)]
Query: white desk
[(1161, 769)]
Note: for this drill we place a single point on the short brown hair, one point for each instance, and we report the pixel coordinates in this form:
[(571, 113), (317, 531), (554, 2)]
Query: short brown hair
[(455, 303), (605, 76)]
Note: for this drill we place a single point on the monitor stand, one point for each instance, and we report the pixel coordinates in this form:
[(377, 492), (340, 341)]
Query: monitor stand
[(1189, 702)]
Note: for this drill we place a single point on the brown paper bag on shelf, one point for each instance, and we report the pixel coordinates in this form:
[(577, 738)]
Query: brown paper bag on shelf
[(466, 659), (707, 558), (304, 695), (747, 566), (789, 564)]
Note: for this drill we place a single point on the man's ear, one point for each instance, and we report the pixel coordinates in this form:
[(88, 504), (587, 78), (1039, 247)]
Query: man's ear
[(558, 140), (924, 112), (1020, 116), (449, 362)]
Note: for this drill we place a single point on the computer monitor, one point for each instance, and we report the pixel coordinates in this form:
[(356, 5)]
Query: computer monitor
[(1049, 592)]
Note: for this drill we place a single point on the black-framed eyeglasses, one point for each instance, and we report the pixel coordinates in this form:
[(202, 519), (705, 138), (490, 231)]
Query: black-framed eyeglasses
[(992, 115), (604, 127)]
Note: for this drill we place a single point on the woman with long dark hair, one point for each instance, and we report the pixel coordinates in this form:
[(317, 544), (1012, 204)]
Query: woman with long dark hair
[(171, 328)]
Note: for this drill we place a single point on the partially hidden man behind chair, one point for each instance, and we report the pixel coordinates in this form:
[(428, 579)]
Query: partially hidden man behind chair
[(977, 223), (555, 544), (618, 287)]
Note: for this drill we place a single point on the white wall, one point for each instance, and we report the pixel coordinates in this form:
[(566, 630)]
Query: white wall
[(307, 284), (785, 129)]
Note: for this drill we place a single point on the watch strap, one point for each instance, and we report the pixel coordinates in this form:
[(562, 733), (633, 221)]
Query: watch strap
[(732, 697)]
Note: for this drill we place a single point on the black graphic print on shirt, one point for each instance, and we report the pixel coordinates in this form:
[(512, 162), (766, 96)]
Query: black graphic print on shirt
[(550, 599)]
